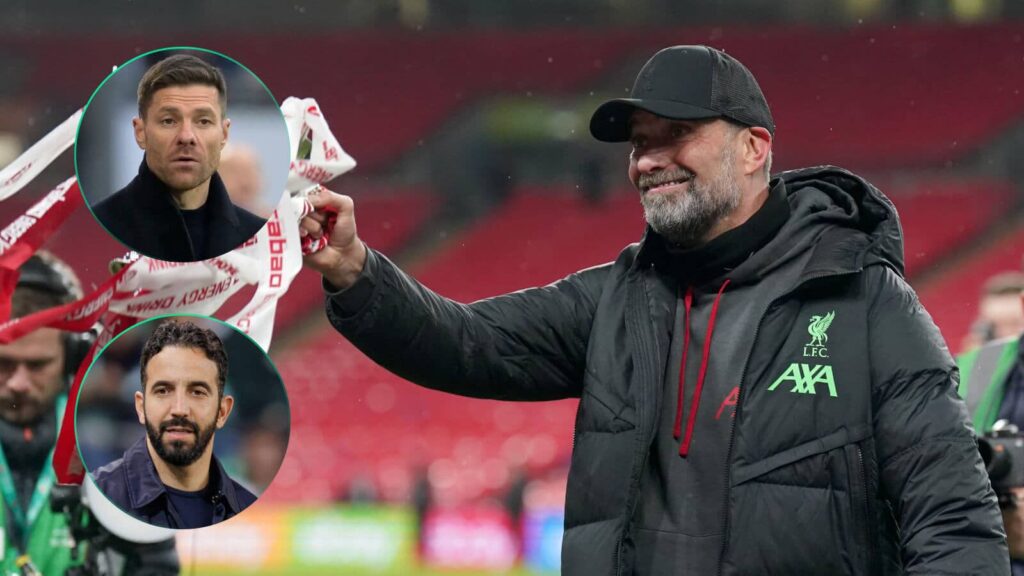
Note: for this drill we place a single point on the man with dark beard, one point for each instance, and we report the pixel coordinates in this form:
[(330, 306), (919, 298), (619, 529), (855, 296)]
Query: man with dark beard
[(760, 391), (35, 371), (171, 478)]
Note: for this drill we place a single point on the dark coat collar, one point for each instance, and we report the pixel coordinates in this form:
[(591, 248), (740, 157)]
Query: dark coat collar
[(146, 489), (715, 258), (157, 197), (144, 216)]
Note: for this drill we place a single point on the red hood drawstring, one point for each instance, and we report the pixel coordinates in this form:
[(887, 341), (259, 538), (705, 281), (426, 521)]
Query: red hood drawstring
[(684, 447)]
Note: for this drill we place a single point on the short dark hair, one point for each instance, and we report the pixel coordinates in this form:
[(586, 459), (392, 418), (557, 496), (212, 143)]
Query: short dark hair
[(180, 70), (45, 281), (185, 334)]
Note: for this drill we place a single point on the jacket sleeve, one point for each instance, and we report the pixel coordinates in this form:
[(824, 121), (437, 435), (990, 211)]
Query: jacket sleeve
[(930, 467), (527, 345)]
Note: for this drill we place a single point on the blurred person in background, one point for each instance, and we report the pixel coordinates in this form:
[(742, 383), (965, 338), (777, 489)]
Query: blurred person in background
[(514, 502), (242, 175), (421, 496), (35, 371), (360, 490), (761, 391), (992, 381), (170, 477), (107, 427), (1000, 314), (261, 451)]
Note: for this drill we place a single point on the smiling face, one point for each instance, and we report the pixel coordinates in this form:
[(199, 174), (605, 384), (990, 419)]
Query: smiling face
[(183, 132), (180, 405), (687, 174)]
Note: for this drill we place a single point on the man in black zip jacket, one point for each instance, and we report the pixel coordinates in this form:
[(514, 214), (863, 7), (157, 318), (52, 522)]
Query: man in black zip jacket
[(178, 208), (760, 391)]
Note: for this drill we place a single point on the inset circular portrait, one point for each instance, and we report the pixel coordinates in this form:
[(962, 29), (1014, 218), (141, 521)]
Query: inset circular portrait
[(182, 421), (182, 154)]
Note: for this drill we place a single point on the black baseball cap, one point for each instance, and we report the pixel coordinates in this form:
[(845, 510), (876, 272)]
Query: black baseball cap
[(686, 83)]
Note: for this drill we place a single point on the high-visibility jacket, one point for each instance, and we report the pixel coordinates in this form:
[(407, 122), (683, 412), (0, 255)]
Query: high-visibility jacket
[(983, 374)]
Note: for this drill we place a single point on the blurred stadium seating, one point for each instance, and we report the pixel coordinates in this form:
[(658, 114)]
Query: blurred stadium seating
[(908, 95), (931, 112), (952, 298), (939, 216)]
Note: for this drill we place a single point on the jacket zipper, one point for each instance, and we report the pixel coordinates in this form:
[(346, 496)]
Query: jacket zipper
[(732, 437), (181, 219), (632, 505), (739, 408), (868, 524), (642, 406)]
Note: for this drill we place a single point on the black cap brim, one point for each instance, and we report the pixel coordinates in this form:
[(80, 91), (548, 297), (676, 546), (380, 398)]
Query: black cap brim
[(610, 122)]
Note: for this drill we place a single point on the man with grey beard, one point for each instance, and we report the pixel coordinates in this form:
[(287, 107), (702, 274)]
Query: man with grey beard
[(685, 219), (760, 391)]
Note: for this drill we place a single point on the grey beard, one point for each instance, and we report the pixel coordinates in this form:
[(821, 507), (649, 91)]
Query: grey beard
[(685, 218)]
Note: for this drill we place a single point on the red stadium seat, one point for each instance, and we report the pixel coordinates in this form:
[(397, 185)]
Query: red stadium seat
[(874, 114), (952, 300)]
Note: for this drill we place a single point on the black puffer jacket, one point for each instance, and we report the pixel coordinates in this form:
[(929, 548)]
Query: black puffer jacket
[(850, 451)]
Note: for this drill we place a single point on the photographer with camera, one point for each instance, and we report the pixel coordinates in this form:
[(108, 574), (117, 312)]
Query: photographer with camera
[(46, 529), (992, 382)]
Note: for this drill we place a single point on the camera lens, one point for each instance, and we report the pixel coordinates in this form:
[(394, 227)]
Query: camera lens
[(997, 459)]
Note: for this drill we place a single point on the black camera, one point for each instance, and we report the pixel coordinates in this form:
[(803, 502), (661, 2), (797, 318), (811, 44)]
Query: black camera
[(108, 554), (1002, 450)]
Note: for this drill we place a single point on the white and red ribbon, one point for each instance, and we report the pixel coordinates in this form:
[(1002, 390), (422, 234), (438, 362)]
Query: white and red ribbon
[(20, 239), (327, 159), (33, 161), (145, 287)]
